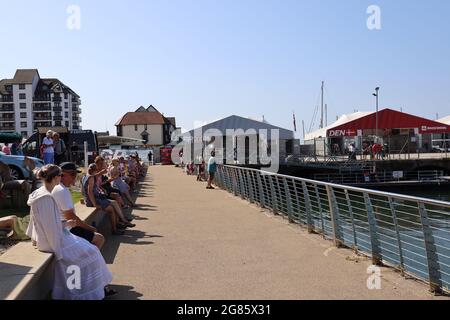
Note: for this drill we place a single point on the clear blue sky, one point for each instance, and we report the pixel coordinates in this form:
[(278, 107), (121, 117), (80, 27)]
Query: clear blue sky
[(200, 60)]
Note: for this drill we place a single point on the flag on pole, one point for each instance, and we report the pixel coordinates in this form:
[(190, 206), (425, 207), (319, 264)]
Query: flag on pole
[(295, 123)]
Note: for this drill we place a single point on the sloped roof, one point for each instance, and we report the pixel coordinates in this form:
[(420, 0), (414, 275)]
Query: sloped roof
[(237, 122), (133, 118), (322, 133), (25, 76), (144, 116), (392, 119)]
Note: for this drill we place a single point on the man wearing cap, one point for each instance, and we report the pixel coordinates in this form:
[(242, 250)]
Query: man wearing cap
[(63, 198), (49, 152)]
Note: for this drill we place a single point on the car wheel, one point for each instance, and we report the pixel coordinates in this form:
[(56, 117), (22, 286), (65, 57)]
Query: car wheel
[(16, 174)]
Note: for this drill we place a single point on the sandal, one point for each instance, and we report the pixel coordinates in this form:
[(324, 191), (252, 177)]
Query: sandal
[(110, 292)]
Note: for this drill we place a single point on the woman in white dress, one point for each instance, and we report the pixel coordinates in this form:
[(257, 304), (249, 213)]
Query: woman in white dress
[(80, 270)]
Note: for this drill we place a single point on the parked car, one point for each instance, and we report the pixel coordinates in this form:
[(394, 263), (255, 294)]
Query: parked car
[(18, 171)]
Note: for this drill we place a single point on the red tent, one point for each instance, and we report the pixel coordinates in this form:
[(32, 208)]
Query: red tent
[(388, 119)]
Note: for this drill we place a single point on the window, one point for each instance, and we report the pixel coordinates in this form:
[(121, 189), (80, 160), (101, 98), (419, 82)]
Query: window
[(23, 115), (24, 134), (66, 114), (67, 124), (21, 87), (22, 96), (65, 95), (135, 127), (23, 106), (66, 105), (23, 124)]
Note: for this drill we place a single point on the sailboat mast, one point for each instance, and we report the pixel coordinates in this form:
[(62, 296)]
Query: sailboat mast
[(321, 113)]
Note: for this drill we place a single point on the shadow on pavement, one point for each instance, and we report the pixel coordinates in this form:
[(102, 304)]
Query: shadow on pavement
[(131, 236)]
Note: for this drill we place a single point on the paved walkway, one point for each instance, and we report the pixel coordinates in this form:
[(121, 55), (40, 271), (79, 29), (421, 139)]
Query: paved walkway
[(193, 243)]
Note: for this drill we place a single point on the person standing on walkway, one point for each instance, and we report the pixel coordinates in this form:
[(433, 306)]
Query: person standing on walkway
[(49, 151), (150, 157), (212, 168), (61, 194), (60, 149)]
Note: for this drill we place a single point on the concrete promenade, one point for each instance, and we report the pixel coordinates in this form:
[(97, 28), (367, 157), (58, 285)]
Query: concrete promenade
[(193, 243)]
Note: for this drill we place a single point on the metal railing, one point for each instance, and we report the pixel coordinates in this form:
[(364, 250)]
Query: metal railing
[(408, 233), (380, 177)]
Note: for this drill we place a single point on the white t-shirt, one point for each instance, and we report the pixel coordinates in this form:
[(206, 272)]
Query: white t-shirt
[(63, 198), (47, 142)]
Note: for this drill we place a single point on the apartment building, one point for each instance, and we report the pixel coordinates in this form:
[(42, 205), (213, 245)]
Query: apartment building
[(28, 101)]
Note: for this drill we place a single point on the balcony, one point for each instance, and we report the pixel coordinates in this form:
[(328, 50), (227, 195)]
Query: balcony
[(57, 109), (42, 118), (7, 127), (42, 124), (76, 110), (6, 99), (75, 127), (7, 119), (57, 118), (76, 100), (57, 99), (6, 108), (42, 98), (40, 109)]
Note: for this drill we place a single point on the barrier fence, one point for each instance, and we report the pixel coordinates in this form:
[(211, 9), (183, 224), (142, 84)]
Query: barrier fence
[(380, 177), (408, 233)]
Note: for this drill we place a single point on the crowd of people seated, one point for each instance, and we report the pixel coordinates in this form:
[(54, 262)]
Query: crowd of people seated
[(53, 224)]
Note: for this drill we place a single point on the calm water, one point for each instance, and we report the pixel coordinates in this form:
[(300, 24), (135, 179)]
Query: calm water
[(435, 192)]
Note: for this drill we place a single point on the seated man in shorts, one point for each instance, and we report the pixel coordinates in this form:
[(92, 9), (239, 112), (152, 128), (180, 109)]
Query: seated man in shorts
[(63, 199)]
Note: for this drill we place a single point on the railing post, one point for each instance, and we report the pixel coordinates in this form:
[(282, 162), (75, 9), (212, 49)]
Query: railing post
[(234, 181), (250, 186), (334, 215), (241, 183), (296, 199), (350, 210), (397, 231), (430, 248), (273, 195), (308, 210), (288, 200), (376, 251), (319, 203), (279, 190), (262, 197), (229, 180)]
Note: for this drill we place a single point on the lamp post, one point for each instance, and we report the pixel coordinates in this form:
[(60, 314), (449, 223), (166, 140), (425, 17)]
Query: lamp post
[(376, 94)]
